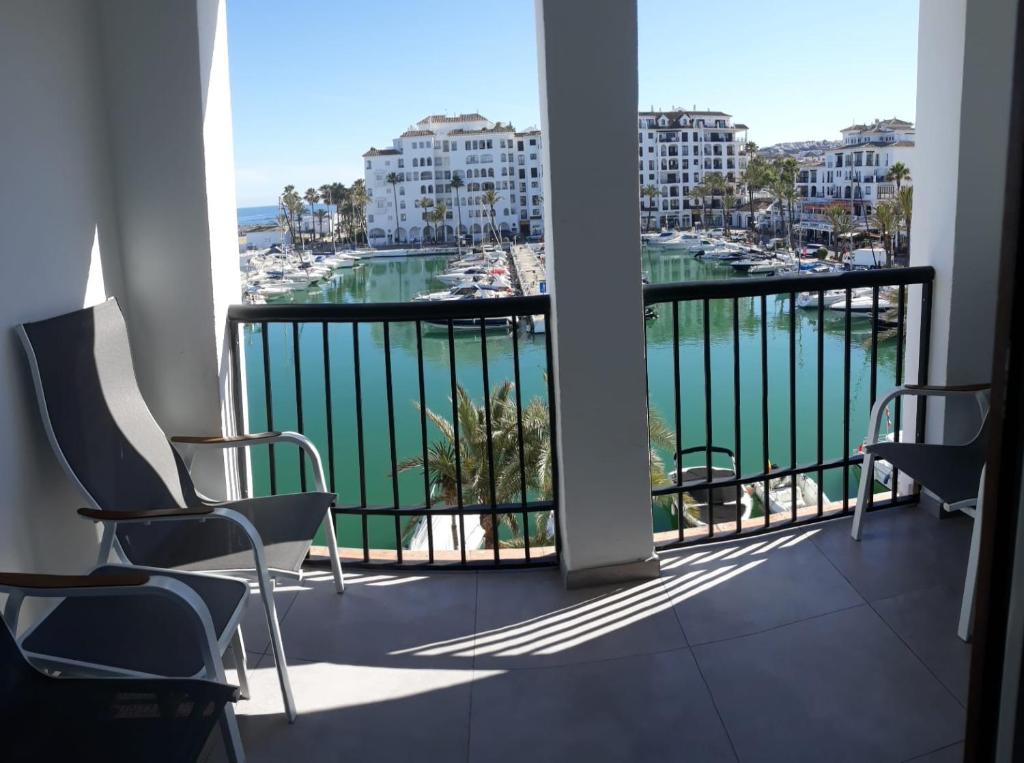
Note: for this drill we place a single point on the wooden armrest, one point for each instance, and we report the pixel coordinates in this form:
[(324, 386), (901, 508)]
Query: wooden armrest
[(113, 516), (32, 580), (217, 439), (948, 388)]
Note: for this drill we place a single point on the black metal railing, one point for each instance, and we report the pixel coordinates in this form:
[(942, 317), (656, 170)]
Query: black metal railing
[(289, 363), (710, 502)]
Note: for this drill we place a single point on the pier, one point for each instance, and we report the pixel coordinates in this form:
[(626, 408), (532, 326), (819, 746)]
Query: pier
[(528, 270)]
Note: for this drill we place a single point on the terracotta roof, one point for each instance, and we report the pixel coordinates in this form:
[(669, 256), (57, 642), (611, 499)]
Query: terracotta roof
[(382, 152), (416, 133)]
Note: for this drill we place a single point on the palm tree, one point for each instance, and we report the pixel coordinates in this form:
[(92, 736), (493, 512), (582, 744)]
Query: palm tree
[(456, 185), (339, 196), (729, 202), (440, 216), (754, 178), (288, 201), (650, 192), (393, 179), (906, 201), (326, 192), (783, 187), (897, 174), (312, 197), (842, 224), (697, 193), (476, 457), (359, 199), (490, 198), (886, 218), (715, 184), (424, 203), (321, 215)]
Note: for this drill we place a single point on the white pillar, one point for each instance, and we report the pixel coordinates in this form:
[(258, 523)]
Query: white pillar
[(169, 111), (964, 71), (588, 84)]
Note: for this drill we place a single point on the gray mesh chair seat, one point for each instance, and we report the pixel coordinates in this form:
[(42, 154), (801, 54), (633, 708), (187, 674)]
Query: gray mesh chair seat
[(122, 633), (949, 471), (111, 445), (286, 524)]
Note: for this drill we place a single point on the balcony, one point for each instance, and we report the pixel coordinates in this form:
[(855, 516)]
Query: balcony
[(804, 623)]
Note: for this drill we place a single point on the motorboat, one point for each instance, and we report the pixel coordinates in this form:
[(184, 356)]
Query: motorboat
[(724, 504), (861, 304), (464, 275), (780, 494), (809, 299)]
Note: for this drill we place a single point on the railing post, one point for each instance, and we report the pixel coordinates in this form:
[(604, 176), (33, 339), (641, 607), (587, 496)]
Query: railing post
[(600, 382)]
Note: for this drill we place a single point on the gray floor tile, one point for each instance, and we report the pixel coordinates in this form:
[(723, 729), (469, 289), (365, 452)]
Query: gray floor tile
[(646, 707), (254, 620), (927, 621), (383, 619), (349, 712), (952, 754), (735, 589), (840, 687), (529, 619), (901, 550)]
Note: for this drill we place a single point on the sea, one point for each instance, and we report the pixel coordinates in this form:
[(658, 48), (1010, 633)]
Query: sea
[(251, 216)]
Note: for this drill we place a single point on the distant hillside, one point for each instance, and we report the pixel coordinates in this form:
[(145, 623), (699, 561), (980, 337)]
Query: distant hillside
[(801, 150)]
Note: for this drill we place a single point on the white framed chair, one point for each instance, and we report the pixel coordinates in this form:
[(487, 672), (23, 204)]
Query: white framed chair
[(955, 473), (139, 487)]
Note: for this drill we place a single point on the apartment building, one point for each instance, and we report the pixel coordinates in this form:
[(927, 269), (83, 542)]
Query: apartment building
[(855, 174), (423, 161), (676, 150)]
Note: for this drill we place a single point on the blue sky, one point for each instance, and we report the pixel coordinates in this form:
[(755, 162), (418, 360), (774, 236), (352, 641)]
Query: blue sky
[(315, 84)]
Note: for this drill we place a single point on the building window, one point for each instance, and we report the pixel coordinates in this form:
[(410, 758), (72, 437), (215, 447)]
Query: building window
[(369, 218)]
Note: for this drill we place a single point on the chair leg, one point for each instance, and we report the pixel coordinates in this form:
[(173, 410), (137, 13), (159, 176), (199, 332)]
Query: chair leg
[(241, 666), (267, 594), (966, 627), (332, 548), (232, 739), (867, 476)]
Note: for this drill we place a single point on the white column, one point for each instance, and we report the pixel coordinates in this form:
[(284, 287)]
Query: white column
[(965, 60), (588, 84), (168, 102)]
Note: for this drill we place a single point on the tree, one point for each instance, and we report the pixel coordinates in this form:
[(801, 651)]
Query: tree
[(842, 224), (339, 197), (754, 178), (359, 199), (897, 174), (715, 185), (440, 216), (289, 202), (456, 185), (783, 187), (393, 179), (490, 198), (650, 192), (326, 192), (697, 193), (886, 218), (905, 199), (312, 197), (424, 203)]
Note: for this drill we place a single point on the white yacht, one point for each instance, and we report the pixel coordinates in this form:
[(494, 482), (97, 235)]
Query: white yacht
[(780, 494)]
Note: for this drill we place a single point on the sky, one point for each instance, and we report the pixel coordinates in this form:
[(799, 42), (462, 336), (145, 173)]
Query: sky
[(315, 84)]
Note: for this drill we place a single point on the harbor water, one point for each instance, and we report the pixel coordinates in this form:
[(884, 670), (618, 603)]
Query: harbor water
[(402, 278)]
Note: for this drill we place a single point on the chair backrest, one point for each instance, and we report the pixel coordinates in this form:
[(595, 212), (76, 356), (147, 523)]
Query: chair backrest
[(96, 418)]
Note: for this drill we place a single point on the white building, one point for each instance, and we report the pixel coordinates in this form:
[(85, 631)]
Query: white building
[(677, 149), (856, 173), (426, 157)]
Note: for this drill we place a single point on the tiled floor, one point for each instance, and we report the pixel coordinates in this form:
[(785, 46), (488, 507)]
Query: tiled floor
[(798, 646)]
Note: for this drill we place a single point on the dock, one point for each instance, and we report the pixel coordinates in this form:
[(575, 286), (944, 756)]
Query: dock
[(529, 276)]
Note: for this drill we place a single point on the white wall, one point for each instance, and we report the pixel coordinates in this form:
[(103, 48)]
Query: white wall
[(59, 238), (965, 54), (115, 148), (600, 382)]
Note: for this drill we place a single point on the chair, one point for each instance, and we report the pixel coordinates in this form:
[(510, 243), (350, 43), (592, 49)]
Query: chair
[(954, 473), (140, 489), (93, 716)]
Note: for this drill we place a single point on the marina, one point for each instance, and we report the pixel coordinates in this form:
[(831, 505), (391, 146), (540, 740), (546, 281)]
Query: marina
[(421, 278)]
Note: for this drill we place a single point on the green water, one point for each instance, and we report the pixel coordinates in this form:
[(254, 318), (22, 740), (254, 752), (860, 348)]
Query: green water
[(400, 279)]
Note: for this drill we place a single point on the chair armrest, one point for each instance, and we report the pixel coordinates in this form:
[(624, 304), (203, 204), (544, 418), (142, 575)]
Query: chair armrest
[(240, 440), (927, 389), (100, 515), (30, 580), (261, 438)]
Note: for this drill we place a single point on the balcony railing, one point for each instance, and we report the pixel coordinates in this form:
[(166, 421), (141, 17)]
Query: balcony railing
[(799, 379), (372, 385)]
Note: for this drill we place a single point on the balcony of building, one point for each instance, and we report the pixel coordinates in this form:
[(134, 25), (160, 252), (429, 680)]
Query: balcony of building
[(611, 632)]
